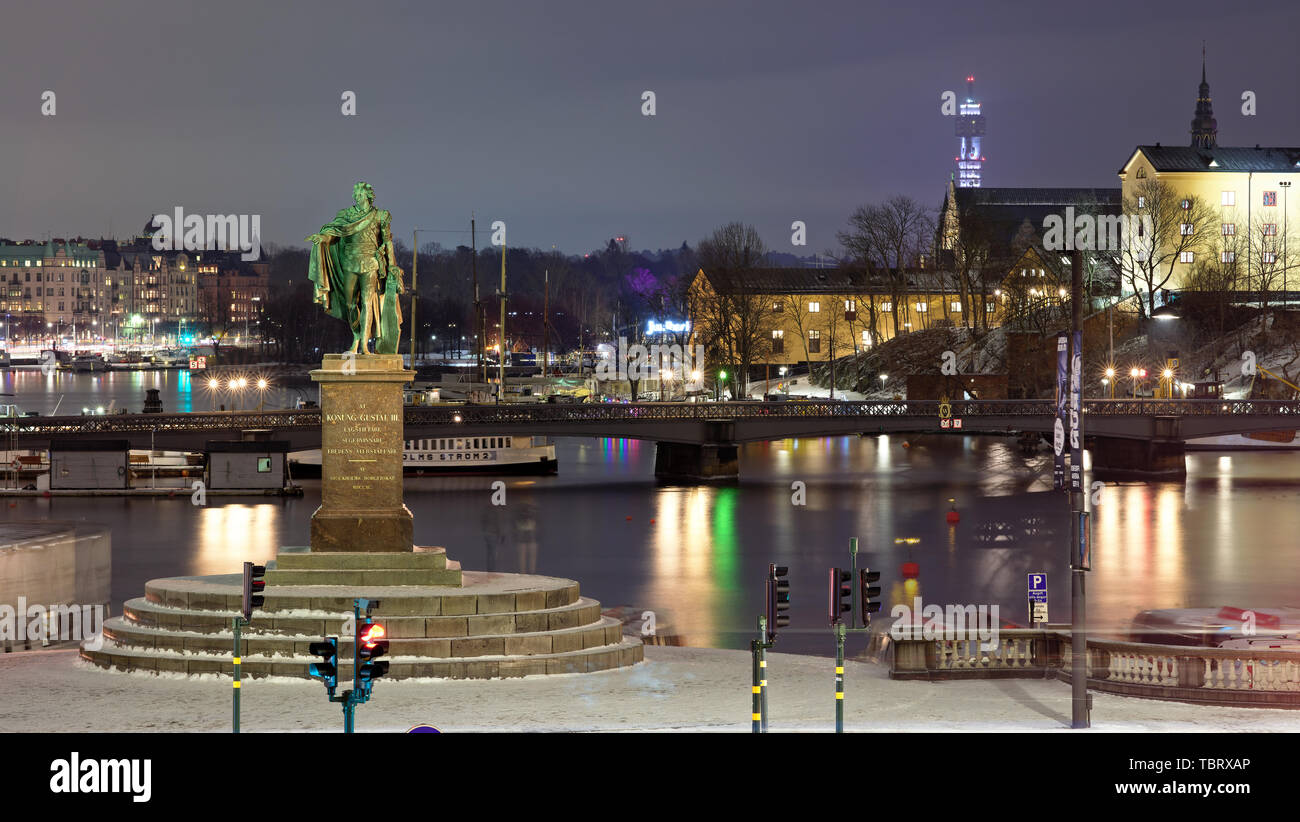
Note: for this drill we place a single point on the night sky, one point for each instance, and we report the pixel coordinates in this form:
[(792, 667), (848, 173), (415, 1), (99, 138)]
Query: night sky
[(767, 112)]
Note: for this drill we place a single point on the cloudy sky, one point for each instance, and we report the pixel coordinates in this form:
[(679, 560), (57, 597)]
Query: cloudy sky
[(766, 112)]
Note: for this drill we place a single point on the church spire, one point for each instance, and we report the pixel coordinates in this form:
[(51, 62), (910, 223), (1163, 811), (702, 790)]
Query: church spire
[(1205, 129)]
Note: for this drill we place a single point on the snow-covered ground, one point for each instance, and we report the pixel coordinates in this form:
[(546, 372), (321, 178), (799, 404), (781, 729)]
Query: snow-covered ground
[(676, 689)]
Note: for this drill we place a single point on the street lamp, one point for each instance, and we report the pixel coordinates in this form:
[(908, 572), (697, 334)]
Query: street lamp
[(1286, 238), (214, 387), (1110, 380), (261, 391)]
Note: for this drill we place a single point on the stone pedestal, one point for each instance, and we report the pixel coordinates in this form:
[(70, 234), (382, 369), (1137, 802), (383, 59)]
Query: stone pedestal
[(361, 455)]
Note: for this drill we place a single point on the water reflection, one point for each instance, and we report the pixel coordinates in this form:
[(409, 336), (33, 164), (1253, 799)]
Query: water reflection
[(698, 555)]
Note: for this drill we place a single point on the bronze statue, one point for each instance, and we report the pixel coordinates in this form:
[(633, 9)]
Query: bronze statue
[(356, 275)]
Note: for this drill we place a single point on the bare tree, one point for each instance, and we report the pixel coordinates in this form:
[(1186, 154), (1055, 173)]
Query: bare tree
[(743, 318), (890, 238), (1179, 225)]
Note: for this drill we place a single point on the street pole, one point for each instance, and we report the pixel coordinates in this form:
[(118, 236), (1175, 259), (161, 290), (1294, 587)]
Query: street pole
[(756, 687), (1078, 603), (238, 661), (839, 676), (415, 275), (501, 360)]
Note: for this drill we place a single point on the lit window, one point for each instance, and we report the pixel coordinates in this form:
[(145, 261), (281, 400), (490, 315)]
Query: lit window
[(955, 307), (1186, 229), (814, 307), (990, 306), (1142, 202), (1228, 198), (922, 308), (1270, 198), (1228, 257), (1270, 229), (1270, 257), (1186, 256), (1229, 229), (887, 306), (1187, 204)]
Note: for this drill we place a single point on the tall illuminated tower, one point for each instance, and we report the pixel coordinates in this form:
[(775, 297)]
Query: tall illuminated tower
[(970, 133)]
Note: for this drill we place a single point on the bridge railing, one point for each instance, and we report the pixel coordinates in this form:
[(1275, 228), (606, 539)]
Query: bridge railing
[(640, 412)]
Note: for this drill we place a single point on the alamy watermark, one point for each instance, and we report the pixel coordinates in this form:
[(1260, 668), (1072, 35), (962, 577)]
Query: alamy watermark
[(921, 621), (641, 362), (209, 232), (1096, 232), (51, 623)]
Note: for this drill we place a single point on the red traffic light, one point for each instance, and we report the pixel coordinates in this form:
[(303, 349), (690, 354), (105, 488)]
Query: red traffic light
[(373, 634)]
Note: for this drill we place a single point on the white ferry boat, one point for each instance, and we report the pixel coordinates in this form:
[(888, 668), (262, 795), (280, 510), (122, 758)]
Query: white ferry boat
[(489, 454)]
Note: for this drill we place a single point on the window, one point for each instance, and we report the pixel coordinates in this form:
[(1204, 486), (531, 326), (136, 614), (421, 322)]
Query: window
[(777, 307), (814, 307), (1270, 229), (1186, 256), (263, 465), (1228, 198), (1229, 229), (1228, 257), (989, 306), (1187, 204), (955, 307), (1270, 256), (1186, 228), (866, 339), (922, 308), (850, 310), (1142, 202), (1270, 198), (1142, 173), (778, 342), (887, 306), (814, 342)]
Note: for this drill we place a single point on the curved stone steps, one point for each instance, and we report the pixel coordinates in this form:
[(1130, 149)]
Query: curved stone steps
[(604, 631), (480, 593), (583, 611), (492, 625), (628, 651)]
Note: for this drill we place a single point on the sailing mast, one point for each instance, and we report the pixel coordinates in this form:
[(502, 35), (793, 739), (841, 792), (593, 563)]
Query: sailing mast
[(478, 305)]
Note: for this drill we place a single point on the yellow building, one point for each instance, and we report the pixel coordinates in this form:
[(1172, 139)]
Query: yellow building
[(788, 316), (1219, 214)]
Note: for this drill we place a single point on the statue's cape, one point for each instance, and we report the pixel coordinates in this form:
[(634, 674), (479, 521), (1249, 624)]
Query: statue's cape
[(323, 268)]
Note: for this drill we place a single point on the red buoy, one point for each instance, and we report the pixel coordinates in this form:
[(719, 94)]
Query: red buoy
[(953, 517), (910, 570)]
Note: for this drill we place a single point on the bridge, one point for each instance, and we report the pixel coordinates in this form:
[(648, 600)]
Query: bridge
[(1141, 436)]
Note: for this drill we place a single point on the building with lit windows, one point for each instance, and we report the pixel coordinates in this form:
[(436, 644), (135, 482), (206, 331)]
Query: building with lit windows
[(1225, 210), (56, 290)]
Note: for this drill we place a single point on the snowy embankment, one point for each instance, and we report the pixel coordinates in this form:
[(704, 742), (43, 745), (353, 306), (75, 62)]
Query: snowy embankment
[(676, 689)]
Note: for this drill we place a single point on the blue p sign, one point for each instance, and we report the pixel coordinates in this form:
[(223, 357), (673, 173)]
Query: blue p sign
[(1038, 582)]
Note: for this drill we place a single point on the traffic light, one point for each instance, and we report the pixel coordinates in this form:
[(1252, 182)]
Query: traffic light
[(867, 593), (371, 644), (778, 599), (841, 600), (327, 669), (254, 585)]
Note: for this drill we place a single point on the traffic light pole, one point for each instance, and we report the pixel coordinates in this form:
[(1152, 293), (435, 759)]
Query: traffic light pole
[(859, 604), (237, 622), (758, 687), (840, 631), (762, 671)]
